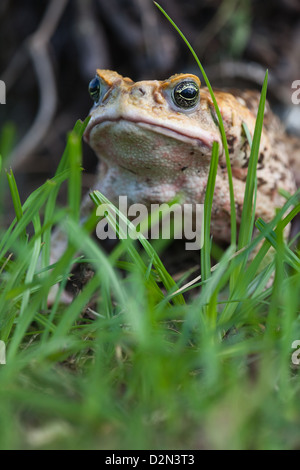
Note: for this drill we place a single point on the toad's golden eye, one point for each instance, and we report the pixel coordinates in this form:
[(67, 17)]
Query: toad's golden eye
[(94, 89), (186, 94)]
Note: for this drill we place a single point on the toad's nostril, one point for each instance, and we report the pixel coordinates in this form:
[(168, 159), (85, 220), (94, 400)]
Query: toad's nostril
[(138, 91)]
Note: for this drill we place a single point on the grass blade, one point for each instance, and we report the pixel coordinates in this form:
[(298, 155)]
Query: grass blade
[(246, 226), (221, 126), (205, 251)]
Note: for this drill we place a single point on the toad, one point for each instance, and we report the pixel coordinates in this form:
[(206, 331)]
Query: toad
[(154, 140)]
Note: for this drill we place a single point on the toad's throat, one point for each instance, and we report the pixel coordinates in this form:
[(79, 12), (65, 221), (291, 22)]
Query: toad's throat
[(197, 138)]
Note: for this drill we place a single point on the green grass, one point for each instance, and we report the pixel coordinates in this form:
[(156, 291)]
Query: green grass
[(156, 365)]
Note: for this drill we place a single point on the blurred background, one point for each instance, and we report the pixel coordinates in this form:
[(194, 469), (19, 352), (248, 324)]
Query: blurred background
[(50, 50)]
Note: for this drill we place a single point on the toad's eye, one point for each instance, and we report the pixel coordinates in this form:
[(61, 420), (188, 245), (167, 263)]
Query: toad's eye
[(94, 89), (186, 94)]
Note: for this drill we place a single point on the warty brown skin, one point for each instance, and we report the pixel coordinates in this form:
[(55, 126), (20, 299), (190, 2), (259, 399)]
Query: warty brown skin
[(152, 150)]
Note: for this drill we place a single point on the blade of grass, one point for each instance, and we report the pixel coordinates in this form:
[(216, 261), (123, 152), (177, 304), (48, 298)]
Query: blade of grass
[(32, 265), (7, 139), (246, 227), (221, 126), (211, 309), (16, 200), (165, 277), (74, 183), (27, 266), (220, 275), (32, 205), (78, 130), (205, 250), (247, 276)]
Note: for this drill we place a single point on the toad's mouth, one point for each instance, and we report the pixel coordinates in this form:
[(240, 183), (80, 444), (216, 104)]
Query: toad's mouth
[(196, 136)]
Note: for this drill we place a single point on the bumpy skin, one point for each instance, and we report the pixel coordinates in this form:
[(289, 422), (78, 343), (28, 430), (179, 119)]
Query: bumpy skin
[(151, 150)]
